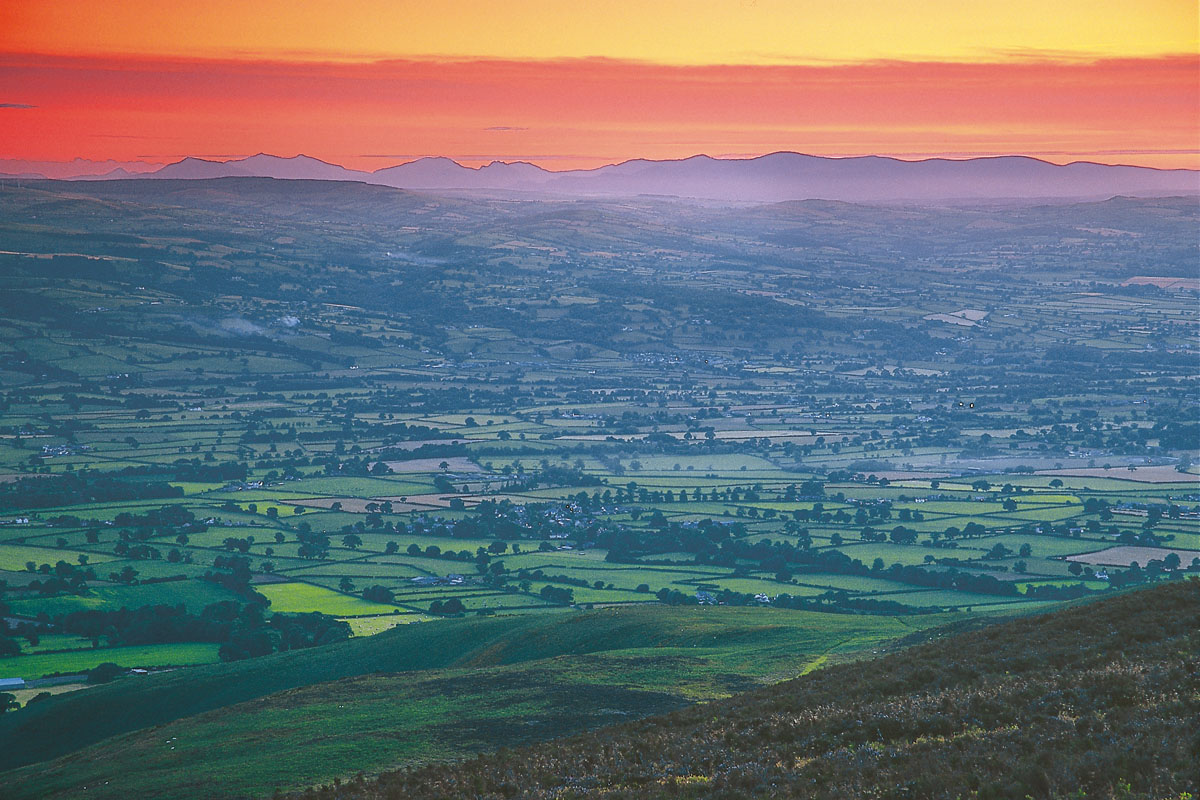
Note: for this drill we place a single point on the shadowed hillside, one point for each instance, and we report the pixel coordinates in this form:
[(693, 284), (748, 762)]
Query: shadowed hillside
[(410, 695), (1096, 701)]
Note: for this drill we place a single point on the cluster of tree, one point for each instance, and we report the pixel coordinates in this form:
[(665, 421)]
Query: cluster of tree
[(233, 572), (845, 603), (356, 467), (313, 544), (447, 608), (169, 517), (73, 488), (717, 544), (281, 632), (1169, 566), (433, 551), (185, 469), (243, 630), (557, 594), (540, 575), (501, 520), (379, 594), (104, 673), (62, 578), (674, 597), (8, 645), (703, 539), (557, 475), (951, 578), (833, 600)]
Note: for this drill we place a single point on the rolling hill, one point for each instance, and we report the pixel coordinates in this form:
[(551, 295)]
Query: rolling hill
[(1098, 701), (411, 695)]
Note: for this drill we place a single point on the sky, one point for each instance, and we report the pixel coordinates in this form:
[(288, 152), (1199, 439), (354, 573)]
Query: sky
[(570, 84)]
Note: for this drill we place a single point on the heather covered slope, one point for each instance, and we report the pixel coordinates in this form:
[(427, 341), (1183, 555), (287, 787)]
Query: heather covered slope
[(1097, 701)]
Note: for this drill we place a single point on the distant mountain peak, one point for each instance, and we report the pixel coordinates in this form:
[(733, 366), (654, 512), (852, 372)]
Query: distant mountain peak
[(768, 178), (261, 165)]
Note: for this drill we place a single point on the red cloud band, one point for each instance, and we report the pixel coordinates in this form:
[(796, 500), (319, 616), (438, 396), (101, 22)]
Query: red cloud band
[(592, 110)]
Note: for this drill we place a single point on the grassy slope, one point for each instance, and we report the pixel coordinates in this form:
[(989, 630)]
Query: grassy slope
[(449, 689), (1096, 701)]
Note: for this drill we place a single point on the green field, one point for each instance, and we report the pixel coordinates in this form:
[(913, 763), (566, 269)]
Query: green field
[(192, 594), (304, 598), (144, 656), (15, 556)]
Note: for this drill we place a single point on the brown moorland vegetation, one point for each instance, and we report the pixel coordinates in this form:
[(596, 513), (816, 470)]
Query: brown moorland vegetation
[(1097, 701)]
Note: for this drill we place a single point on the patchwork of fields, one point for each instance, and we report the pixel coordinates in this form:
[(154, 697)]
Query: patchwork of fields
[(394, 529), (247, 452)]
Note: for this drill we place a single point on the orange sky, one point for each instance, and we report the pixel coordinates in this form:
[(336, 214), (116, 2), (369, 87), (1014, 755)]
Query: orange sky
[(569, 84)]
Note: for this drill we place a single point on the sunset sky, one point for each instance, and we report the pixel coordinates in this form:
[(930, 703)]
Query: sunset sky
[(568, 84)]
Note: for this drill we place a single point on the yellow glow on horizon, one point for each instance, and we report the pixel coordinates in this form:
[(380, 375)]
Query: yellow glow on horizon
[(662, 31)]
